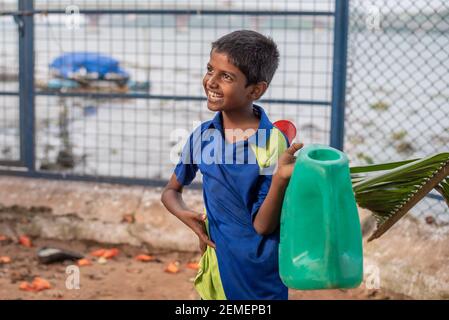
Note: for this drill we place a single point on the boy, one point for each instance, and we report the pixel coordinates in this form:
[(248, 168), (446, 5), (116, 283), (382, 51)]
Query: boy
[(236, 153)]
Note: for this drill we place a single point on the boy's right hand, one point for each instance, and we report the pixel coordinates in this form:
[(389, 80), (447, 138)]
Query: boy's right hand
[(196, 222), (286, 162)]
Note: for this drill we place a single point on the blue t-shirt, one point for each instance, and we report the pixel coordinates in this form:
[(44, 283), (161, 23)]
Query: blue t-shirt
[(236, 180)]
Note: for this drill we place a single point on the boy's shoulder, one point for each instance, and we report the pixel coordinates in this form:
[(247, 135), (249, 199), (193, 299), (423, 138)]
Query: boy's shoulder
[(201, 128), (207, 124)]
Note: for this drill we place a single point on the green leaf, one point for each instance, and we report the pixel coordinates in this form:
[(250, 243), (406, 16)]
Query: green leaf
[(390, 190)]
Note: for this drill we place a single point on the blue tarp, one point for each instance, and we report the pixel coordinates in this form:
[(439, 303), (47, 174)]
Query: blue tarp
[(70, 63)]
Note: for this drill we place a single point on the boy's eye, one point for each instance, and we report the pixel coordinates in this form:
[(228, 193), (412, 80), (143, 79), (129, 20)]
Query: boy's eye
[(209, 69), (227, 76)]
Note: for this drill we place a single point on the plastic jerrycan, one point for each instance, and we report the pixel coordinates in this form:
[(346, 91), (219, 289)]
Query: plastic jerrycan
[(320, 236)]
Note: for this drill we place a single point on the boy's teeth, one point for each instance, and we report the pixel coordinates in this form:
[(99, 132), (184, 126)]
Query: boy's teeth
[(214, 95)]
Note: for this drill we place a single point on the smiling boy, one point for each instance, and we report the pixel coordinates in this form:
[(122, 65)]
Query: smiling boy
[(239, 231)]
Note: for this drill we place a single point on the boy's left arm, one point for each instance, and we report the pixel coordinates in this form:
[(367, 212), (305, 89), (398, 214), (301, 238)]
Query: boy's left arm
[(267, 218)]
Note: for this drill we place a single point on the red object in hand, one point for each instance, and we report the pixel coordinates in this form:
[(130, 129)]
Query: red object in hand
[(287, 128)]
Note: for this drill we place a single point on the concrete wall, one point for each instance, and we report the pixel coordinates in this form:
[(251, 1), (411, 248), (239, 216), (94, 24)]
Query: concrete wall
[(412, 258), (86, 211)]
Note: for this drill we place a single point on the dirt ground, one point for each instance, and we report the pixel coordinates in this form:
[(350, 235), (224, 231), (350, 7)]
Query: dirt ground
[(123, 277)]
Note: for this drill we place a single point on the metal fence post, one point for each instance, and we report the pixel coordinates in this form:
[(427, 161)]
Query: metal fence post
[(339, 73), (26, 83)]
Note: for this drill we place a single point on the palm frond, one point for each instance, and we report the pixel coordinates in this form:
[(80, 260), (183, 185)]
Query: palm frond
[(443, 189), (390, 190)]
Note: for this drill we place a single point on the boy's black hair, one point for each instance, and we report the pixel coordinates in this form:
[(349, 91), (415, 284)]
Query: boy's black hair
[(254, 54)]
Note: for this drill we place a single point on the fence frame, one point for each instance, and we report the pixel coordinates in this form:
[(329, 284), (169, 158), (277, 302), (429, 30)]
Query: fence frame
[(24, 18)]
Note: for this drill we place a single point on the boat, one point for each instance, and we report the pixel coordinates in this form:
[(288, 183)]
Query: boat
[(87, 67)]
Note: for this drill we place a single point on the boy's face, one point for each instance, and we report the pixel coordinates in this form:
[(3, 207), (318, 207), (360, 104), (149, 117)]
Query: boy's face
[(224, 85)]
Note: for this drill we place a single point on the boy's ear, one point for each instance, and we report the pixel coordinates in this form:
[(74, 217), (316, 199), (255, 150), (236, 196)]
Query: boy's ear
[(258, 90)]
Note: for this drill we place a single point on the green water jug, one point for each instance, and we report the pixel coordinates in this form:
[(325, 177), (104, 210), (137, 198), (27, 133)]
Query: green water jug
[(320, 236)]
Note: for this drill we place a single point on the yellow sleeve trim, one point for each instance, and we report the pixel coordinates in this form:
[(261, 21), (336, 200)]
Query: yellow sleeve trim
[(268, 156)]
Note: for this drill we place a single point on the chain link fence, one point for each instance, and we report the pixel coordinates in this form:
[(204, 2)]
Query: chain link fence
[(9, 82), (397, 102), (98, 129)]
